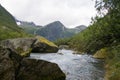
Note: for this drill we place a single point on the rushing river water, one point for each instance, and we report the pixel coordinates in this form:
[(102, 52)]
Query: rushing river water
[(75, 66)]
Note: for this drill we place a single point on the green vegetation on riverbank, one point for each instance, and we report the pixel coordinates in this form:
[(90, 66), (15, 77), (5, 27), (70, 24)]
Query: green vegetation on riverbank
[(103, 33)]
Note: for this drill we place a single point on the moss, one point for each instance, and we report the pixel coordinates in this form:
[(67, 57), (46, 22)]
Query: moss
[(101, 54), (43, 40), (24, 53)]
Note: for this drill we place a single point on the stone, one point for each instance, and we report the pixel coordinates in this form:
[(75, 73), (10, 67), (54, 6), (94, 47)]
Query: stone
[(21, 46), (101, 54), (15, 67), (42, 45), (7, 70), (32, 69), (24, 46)]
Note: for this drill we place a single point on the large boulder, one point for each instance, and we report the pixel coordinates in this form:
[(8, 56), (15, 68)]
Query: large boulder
[(9, 63), (32, 69), (42, 45), (22, 46), (15, 67), (6, 65)]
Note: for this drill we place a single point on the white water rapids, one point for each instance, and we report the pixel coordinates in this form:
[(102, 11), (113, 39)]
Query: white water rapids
[(75, 66)]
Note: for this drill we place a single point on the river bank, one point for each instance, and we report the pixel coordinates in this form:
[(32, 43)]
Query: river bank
[(75, 66)]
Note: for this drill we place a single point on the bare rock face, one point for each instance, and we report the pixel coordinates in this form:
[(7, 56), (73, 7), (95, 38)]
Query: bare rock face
[(32, 69), (15, 67)]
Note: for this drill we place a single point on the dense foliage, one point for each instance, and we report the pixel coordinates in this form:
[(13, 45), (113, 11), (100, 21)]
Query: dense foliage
[(104, 32), (64, 41)]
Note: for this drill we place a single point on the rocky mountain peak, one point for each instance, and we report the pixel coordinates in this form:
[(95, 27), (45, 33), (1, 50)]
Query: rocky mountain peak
[(55, 24)]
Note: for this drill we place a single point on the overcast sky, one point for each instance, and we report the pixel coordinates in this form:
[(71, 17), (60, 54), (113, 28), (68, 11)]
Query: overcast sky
[(70, 12)]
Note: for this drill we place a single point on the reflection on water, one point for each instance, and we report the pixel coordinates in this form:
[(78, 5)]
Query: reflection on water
[(75, 66)]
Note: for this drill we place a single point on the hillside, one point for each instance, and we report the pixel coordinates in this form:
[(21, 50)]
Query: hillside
[(52, 31), (103, 41), (8, 26), (28, 27)]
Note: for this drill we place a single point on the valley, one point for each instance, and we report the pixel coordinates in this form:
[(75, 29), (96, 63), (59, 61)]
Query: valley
[(56, 52)]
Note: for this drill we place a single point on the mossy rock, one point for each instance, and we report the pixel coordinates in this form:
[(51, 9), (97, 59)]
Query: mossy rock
[(21, 46), (42, 45), (24, 53), (101, 54), (44, 40)]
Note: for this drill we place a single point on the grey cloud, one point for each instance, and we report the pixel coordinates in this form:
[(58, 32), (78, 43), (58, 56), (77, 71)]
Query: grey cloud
[(70, 12)]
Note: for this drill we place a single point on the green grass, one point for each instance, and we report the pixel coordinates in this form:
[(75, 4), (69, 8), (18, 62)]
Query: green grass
[(8, 26), (113, 63)]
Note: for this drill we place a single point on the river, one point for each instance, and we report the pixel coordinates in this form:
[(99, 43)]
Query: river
[(75, 66)]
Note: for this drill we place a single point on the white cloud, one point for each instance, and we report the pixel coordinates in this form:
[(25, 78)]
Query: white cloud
[(70, 12)]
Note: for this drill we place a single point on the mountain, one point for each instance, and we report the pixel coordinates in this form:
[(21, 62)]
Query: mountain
[(8, 26), (51, 31), (77, 29), (80, 28), (29, 27), (56, 30)]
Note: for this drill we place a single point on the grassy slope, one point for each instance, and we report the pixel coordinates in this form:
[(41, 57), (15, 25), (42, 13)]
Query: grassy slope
[(29, 27), (8, 26)]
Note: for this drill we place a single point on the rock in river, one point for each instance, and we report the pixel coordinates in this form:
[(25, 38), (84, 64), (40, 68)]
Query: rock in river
[(15, 67), (8, 64), (24, 46), (32, 69), (42, 45)]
